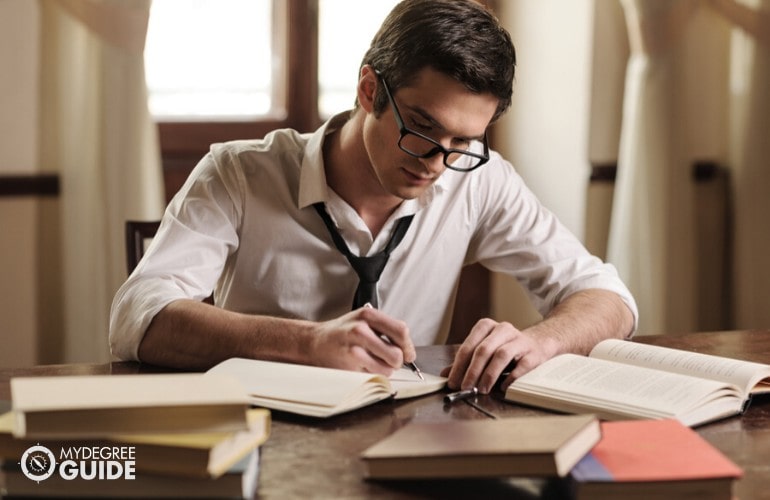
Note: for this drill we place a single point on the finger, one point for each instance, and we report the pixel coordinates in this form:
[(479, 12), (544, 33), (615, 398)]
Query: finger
[(492, 355), (376, 348), (520, 365), (524, 365), (394, 330), (466, 352), (365, 362), (489, 359), (501, 367), (507, 380)]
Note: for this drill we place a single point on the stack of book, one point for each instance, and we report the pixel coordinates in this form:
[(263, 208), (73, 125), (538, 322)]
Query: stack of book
[(166, 435), (633, 459)]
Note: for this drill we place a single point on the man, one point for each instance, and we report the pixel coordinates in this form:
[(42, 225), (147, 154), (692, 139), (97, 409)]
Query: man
[(276, 226)]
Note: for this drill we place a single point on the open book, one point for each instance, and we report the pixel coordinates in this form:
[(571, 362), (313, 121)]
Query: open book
[(321, 392), (626, 380)]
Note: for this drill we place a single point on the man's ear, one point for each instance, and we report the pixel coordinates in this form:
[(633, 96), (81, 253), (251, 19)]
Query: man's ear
[(367, 85)]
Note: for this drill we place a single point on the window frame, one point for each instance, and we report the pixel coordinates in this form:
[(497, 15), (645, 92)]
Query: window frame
[(183, 143)]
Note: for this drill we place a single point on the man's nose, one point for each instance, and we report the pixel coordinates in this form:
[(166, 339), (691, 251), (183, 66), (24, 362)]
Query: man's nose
[(434, 163)]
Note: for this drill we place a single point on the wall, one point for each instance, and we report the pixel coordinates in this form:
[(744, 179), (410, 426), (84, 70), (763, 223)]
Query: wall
[(18, 214), (545, 133)]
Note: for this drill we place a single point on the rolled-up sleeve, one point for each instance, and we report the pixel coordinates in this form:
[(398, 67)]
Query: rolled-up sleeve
[(185, 258), (522, 238)]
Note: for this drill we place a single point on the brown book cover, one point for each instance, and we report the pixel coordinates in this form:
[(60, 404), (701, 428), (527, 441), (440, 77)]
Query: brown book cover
[(519, 446)]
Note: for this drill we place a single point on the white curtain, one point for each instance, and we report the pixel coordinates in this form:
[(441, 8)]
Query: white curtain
[(696, 88), (96, 130), (749, 155)]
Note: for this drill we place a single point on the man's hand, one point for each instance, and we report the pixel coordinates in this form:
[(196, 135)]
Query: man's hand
[(354, 342), (489, 349), (576, 325)]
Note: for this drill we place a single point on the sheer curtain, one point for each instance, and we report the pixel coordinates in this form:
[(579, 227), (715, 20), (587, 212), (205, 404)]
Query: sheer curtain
[(97, 132), (696, 88), (749, 155)]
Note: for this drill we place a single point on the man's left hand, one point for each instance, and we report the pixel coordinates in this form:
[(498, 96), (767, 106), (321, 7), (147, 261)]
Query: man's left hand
[(490, 347)]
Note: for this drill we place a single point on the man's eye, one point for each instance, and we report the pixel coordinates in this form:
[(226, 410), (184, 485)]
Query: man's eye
[(425, 127)]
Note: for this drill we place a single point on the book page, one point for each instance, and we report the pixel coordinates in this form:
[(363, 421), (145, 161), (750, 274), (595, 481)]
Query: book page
[(743, 374), (321, 392), (306, 385), (620, 388), (408, 384)]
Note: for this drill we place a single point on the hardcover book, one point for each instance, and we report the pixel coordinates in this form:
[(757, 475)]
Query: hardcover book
[(206, 454), (98, 406), (240, 481), (519, 446), (641, 459)]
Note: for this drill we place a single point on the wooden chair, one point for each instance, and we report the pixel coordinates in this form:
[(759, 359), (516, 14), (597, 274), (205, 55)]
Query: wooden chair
[(137, 234)]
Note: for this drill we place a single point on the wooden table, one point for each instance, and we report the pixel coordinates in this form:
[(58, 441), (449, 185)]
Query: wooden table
[(310, 458)]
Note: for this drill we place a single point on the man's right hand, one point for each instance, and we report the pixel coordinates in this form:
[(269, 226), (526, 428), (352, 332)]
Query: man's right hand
[(354, 342)]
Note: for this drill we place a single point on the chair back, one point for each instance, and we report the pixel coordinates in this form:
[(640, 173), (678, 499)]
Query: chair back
[(137, 234)]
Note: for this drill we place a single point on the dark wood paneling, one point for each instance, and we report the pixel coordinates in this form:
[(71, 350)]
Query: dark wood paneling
[(29, 185), (603, 172)]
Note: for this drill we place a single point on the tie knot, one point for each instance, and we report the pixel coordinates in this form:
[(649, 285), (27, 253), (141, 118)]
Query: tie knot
[(369, 269)]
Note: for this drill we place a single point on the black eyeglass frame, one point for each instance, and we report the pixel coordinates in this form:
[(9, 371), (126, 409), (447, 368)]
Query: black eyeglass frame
[(438, 148)]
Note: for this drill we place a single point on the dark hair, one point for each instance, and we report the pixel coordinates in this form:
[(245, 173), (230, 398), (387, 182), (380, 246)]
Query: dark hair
[(459, 38)]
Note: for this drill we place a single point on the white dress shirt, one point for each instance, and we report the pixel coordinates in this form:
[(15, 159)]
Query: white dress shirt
[(243, 226)]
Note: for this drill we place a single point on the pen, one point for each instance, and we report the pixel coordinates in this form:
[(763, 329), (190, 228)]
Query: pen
[(459, 395), (467, 396), (412, 366)]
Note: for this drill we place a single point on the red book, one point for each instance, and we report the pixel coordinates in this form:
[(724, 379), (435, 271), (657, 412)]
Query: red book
[(653, 459)]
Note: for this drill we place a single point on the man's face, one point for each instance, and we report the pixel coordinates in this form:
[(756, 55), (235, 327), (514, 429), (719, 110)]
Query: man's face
[(437, 106)]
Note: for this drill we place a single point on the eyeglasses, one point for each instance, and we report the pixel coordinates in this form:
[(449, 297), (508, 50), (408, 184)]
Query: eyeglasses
[(421, 146)]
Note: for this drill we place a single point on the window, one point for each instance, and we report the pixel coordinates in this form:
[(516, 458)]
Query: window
[(221, 70), (340, 50), (210, 60)]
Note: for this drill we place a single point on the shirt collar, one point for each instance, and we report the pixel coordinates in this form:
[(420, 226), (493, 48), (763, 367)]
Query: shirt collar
[(312, 180), (312, 183)]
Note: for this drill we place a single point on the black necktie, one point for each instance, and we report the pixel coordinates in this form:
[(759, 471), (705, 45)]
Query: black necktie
[(368, 269)]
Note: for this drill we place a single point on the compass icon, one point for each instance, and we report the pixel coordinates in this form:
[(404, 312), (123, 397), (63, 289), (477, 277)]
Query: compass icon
[(38, 463)]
